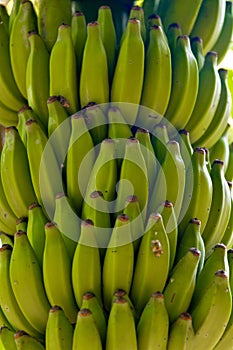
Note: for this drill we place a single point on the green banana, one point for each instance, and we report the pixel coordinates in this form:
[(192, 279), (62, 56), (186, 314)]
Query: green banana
[(217, 260), (108, 35), (220, 208), (230, 264), (18, 189), (90, 74), (13, 12), (86, 267), (208, 96), (7, 341), (80, 160), (186, 148), (209, 22), (86, 334), (50, 15), (62, 68), (174, 30), (96, 121), (198, 191), (79, 37), (227, 237), (183, 13), (4, 322), (158, 72), (159, 139), (150, 8), (170, 181), (229, 169), (91, 302), (226, 339), (27, 283), (25, 22), (11, 98), (181, 333), (214, 304), (180, 287), (221, 116), (153, 325), (197, 49), (6, 239), (185, 82), (152, 264), (137, 12), (24, 341), (35, 230), (133, 178), (118, 262), (57, 109), (4, 16), (37, 77), (224, 40), (21, 224), (121, 293), (56, 261), (130, 63), (166, 209), (8, 117), (9, 306), (67, 222), (220, 150), (59, 330), (191, 237), (121, 330)]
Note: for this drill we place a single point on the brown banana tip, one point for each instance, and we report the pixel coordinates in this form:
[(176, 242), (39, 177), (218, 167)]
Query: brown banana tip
[(221, 274), (88, 296), (34, 205), (183, 132), (20, 233), (174, 25), (119, 293), (55, 308), (195, 251), (60, 195), (84, 312), (31, 121), (195, 221), (19, 334), (153, 16), (104, 7), (197, 38), (87, 222), (120, 300), (220, 245), (185, 316), (123, 217), (167, 204), (78, 14), (5, 247), (132, 199), (158, 295), (96, 194), (24, 108), (199, 150), (93, 24), (134, 21), (50, 224), (142, 130), (31, 33)]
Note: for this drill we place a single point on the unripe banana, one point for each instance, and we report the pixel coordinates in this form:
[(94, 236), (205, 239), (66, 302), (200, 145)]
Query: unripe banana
[(118, 262), (152, 328), (35, 230), (21, 224), (229, 170), (8, 117), (121, 331), (227, 237), (56, 262), (159, 140), (18, 189), (152, 264), (91, 302), (173, 31), (13, 12), (59, 330), (90, 74), (129, 68), (181, 333), (137, 12), (6, 239), (79, 36), (25, 22), (86, 268), (186, 148), (86, 334), (181, 284), (7, 341), (62, 68), (158, 72), (121, 293), (37, 77), (9, 306), (24, 341), (220, 150), (197, 49), (208, 96), (27, 283), (96, 121)]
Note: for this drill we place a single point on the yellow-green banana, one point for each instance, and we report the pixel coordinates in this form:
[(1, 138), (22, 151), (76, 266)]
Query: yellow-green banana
[(86, 267), (227, 238), (197, 49), (96, 121), (59, 330), (8, 117), (186, 148), (7, 341), (21, 223), (160, 138), (153, 325), (25, 22), (24, 341), (229, 169), (56, 262), (13, 12), (27, 283), (94, 49), (181, 333), (152, 264), (18, 189), (79, 36), (220, 150), (62, 68)]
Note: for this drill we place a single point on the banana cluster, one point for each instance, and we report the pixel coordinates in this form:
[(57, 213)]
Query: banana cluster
[(116, 204)]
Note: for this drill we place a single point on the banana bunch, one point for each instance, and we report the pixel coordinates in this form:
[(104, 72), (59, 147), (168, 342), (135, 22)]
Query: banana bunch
[(116, 169)]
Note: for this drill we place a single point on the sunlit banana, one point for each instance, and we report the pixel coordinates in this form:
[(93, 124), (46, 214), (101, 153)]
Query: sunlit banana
[(158, 72), (221, 116), (159, 140), (21, 224), (152, 328), (18, 189), (130, 63), (79, 36), (121, 330), (229, 170), (186, 148), (27, 283), (37, 76), (227, 238), (24, 341), (152, 260), (197, 49), (86, 258), (119, 260), (90, 74), (58, 113), (86, 334), (62, 68), (173, 31), (96, 121), (13, 12), (7, 341), (25, 22), (181, 333), (8, 117), (121, 293), (59, 330), (209, 22), (220, 150), (181, 284), (207, 98), (6, 239), (57, 261)]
